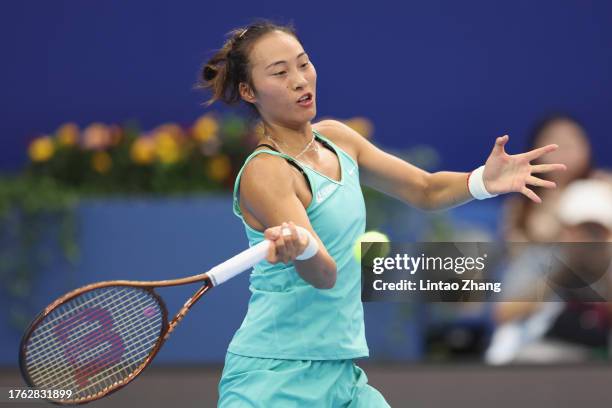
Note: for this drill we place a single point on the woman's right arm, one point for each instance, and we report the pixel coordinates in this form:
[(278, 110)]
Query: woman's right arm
[(268, 191)]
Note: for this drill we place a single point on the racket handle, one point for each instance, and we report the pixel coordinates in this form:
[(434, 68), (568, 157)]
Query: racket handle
[(239, 263), (246, 259)]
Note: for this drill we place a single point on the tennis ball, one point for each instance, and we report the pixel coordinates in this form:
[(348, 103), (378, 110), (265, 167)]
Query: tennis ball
[(371, 251)]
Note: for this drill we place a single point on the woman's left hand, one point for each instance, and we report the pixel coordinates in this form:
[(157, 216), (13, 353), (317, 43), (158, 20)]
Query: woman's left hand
[(504, 173)]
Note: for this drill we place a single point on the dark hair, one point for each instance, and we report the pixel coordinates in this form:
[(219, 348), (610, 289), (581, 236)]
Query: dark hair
[(526, 205), (229, 66), (547, 121)]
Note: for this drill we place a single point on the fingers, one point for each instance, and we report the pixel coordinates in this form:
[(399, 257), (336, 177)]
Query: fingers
[(546, 168), (290, 243), (531, 195), (500, 142), (538, 182), (281, 249), (299, 241), (272, 233), (271, 257), (286, 245), (535, 153)]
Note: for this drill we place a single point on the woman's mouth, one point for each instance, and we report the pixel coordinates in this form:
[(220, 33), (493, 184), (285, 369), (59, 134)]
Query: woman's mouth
[(306, 100)]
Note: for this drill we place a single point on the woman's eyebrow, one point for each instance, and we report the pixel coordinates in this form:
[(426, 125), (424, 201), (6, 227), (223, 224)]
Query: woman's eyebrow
[(283, 61)]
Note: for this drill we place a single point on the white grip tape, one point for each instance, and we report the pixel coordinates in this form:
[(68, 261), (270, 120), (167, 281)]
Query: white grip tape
[(476, 185), (254, 255), (239, 263)]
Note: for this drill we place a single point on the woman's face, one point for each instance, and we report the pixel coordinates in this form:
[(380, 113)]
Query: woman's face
[(284, 80), (574, 149)]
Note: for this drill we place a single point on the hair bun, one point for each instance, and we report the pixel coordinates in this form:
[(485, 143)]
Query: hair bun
[(209, 73)]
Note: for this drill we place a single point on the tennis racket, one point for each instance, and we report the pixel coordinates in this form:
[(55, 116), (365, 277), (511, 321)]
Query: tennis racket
[(96, 339)]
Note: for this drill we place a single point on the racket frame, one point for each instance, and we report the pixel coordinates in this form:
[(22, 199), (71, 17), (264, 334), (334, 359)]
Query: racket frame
[(212, 278), (165, 331)]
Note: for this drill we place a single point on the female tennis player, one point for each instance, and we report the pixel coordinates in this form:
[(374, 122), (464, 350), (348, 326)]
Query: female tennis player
[(304, 325)]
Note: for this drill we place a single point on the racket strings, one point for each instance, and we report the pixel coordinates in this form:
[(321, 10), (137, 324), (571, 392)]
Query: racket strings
[(50, 335), (94, 341), (116, 374), (74, 307), (51, 377), (140, 353), (88, 350), (60, 351), (91, 353)]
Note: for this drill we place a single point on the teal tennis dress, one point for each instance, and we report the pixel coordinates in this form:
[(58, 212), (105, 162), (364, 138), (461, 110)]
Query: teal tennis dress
[(296, 344)]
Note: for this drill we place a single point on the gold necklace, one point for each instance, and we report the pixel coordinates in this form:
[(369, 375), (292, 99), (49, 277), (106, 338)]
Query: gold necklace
[(304, 150)]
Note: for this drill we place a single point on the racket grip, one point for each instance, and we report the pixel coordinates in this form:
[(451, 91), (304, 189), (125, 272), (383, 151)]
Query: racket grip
[(249, 258), (239, 263)]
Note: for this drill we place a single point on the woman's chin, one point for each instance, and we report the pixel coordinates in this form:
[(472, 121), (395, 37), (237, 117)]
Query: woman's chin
[(305, 116), (313, 114)]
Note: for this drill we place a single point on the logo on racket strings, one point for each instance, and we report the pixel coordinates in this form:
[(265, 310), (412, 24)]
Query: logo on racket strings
[(149, 312), (79, 348)]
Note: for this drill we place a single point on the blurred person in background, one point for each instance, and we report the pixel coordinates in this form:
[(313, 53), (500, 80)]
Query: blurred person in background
[(562, 322), (523, 220)]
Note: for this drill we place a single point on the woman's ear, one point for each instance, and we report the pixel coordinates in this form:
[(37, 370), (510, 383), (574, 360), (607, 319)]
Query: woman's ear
[(246, 92)]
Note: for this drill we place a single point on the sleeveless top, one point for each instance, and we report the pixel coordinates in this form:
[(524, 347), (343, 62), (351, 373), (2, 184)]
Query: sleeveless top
[(287, 318)]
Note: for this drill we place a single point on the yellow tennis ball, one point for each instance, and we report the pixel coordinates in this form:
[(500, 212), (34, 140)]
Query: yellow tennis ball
[(368, 238)]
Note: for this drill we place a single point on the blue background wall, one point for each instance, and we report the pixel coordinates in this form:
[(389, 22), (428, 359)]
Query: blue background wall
[(143, 239), (451, 74)]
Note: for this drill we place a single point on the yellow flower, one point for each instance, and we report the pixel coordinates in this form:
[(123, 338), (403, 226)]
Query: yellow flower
[(101, 162), (362, 126), (205, 128), (166, 148), (68, 134), (96, 136), (143, 150), (41, 149), (219, 167), (172, 128)]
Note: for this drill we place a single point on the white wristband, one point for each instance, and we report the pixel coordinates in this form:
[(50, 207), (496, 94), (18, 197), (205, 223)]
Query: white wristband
[(311, 249), (476, 184)]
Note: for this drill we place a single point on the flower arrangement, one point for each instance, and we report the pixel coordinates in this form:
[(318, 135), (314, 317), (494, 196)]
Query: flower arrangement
[(170, 158)]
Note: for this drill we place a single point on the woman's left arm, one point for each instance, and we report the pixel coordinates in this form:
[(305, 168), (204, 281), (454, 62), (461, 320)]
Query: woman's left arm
[(503, 173)]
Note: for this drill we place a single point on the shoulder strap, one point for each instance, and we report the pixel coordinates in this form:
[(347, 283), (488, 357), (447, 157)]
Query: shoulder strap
[(334, 147), (267, 145), (323, 141)]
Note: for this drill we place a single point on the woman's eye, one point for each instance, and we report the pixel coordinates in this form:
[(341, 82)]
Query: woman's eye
[(305, 64), (280, 73)]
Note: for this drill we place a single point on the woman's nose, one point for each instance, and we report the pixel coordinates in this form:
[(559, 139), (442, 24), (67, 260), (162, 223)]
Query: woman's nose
[(299, 82)]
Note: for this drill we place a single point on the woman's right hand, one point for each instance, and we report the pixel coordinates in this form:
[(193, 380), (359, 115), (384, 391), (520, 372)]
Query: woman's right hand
[(284, 248)]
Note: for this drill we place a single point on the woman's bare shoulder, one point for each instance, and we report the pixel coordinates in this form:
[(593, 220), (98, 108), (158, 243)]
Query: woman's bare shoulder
[(339, 133), (266, 174)]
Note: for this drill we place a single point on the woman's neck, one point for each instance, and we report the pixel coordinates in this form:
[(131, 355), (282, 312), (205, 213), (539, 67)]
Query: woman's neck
[(291, 141)]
